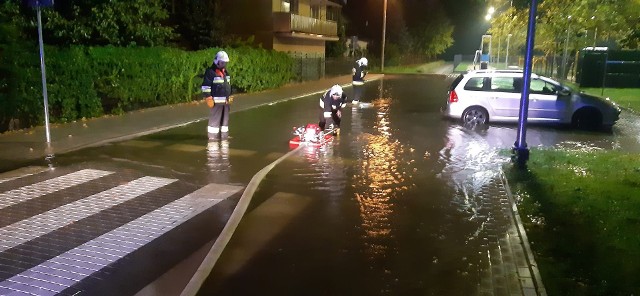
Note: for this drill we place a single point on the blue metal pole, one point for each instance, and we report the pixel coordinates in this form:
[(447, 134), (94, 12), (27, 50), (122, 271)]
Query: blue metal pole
[(520, 150), (44, 77)]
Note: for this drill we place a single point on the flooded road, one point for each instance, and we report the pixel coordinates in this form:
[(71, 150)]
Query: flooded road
[(394, 206)]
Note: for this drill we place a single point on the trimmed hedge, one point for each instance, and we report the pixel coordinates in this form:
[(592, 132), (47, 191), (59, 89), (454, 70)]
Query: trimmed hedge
[(85, 82)]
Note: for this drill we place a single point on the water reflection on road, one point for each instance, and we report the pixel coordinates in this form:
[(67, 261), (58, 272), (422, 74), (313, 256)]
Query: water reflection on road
[(401, 204)]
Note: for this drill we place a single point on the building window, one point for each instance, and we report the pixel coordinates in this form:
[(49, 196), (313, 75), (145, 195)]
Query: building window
[(333, 13), (315, 11), (290, 6)]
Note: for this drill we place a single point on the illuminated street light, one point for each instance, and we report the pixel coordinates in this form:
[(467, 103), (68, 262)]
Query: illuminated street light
[(490, 12)]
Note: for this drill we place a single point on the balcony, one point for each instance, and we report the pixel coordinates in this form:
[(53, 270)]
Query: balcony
[(293, 25)]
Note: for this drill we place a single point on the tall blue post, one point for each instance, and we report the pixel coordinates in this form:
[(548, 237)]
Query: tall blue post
[(520, 149), (44, 77), (38, 4)]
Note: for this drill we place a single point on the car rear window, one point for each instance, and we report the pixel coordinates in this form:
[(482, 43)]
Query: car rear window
[(474, 83), (455, 82)]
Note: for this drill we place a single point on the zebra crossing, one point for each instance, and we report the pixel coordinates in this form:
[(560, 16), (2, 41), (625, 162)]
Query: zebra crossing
[(66, 232)]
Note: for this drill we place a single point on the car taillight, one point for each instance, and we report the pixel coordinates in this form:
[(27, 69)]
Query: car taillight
[(453, 97)]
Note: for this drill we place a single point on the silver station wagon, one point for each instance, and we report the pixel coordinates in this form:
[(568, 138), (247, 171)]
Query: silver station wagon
[(483, 96)]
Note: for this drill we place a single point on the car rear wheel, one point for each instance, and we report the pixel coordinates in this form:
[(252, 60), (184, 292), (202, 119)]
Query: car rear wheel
[(475, 116)]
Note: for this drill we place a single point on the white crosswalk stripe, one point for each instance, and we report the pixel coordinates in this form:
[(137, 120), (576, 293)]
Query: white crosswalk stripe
[(28, 229), (25, 193), (42, 255), (69, 268)]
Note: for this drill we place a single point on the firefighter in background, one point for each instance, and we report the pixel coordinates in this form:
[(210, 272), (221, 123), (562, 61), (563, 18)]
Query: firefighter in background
[(359, 72), (330, 105), (216, 90)]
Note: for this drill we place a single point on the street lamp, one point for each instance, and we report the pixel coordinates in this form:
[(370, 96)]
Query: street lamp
[(506, 59), (595, 33), (384, 33), (490, 12)]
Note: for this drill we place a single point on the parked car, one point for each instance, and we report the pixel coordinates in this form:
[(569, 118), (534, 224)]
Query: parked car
[(483, 96)]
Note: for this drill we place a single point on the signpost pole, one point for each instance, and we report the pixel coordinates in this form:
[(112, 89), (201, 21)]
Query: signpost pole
[(44, 76)]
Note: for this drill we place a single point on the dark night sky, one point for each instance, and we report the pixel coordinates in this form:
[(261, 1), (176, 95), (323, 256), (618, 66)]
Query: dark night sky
[(467, 16)]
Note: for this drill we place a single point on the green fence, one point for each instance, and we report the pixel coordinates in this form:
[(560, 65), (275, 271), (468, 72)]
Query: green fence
[(609, 68)]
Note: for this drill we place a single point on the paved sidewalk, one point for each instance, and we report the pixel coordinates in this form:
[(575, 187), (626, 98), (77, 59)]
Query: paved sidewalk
[(22, 146)]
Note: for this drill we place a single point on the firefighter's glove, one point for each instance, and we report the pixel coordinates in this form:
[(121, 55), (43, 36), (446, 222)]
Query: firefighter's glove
[(230, 100), (209, 101)]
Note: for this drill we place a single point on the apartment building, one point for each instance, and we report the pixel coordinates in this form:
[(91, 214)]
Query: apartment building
[(301, 28)]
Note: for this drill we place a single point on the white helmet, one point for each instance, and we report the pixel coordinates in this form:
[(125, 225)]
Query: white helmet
[(221, 56), (336, 89), (362, 61)]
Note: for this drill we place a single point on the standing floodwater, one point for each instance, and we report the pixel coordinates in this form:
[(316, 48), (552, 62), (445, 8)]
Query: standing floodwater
[(401, 203), (397, 205)]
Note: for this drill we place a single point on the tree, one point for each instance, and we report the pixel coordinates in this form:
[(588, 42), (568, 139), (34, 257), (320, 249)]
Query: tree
[(338, 48), (200, 23), (573, 24), (108, 22), (434, 36)]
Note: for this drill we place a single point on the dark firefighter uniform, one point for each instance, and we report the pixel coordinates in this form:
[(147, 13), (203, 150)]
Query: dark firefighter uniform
[(330, 105), (217, 85), (359, 72)]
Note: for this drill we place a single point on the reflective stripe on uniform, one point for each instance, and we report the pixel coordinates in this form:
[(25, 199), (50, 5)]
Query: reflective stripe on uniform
[(224, 129), (327, 114), (205, 89), (343, 105), (356, 82), (218, 79), (213, 130), (321, 103), (219, 99)]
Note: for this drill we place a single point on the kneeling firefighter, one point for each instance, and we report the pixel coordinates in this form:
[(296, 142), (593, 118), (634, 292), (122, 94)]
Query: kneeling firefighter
[(330, 105)]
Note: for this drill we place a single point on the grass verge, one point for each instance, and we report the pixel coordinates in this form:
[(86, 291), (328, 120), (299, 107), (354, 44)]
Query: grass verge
[(431, 67), (581, 210), (626, 97)]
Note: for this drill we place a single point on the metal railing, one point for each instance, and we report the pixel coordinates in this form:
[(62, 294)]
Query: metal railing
[(288, 22)]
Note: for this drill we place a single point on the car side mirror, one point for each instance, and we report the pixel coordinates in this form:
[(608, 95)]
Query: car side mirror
[(564, 92)]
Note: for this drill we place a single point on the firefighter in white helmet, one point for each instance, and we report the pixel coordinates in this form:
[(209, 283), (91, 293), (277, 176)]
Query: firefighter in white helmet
[(216, 90), (359, 71), (330, 105)]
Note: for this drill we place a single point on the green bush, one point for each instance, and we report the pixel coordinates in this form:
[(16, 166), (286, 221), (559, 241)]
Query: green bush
[(20, 83), (133, 78), (258, 69), (85, 82), (70, 85)]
